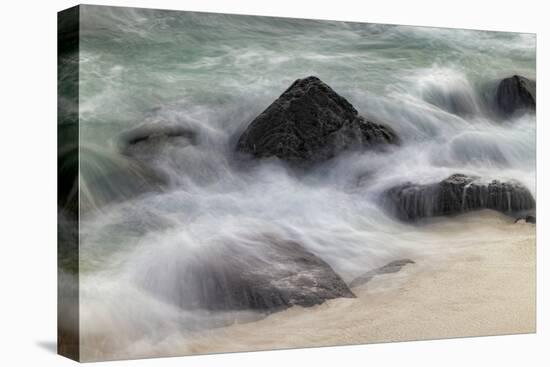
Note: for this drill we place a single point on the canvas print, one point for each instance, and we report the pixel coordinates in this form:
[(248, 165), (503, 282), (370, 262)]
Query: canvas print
[(242, 183)]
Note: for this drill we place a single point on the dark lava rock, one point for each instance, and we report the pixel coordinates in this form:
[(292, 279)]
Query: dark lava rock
[(457, 194), (516, 93), (310, 122), (392, 267), (270, 276)]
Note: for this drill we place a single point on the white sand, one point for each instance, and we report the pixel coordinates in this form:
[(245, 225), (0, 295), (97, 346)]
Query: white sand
[(479, 280)]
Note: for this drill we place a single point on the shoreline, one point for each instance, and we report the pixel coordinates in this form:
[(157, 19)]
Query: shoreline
[(483, 283)]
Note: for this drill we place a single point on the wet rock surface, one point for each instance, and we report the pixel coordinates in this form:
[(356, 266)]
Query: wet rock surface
[(514, 94), (275, 275), (392, 267), (147, 140), (310, 122), (458, 193)]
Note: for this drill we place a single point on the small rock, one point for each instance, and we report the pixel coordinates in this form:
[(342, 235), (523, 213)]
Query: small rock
[(150, 138), (527, 219), (392, 267)]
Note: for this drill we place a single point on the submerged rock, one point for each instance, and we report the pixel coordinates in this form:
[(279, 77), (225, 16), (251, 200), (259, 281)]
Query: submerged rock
[(106, 178), (514, 94), (158, 148), (148, 139), (310, 122), (392, 267), (271, 276), (457, 194)]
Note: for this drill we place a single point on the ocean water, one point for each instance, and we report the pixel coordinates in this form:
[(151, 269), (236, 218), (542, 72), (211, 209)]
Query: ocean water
[(212, 74)]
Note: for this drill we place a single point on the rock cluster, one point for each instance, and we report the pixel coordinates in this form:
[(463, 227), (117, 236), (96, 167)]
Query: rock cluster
[(307, 124)]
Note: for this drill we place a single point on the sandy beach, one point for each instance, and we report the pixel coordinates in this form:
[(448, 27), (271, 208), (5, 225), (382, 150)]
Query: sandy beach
[(481, 281)]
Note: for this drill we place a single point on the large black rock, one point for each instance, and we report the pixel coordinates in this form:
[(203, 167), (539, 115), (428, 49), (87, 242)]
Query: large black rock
[(457, 194), (269, 276), (310, 122), (516, 93)]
